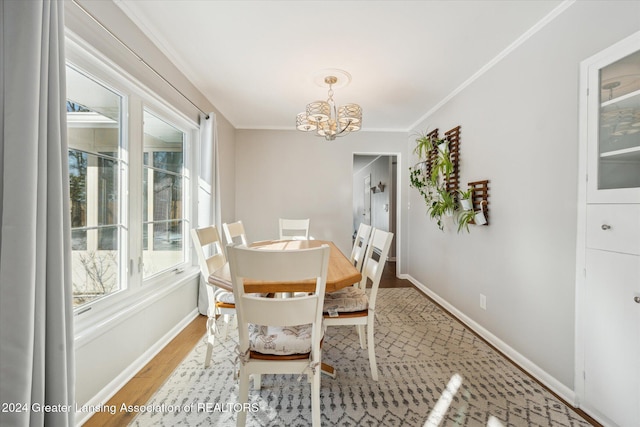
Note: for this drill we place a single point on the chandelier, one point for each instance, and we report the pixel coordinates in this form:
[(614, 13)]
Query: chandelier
[(326, 119)]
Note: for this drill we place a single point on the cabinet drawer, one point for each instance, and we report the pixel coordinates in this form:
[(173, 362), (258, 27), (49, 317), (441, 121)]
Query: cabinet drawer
[(614, 227)]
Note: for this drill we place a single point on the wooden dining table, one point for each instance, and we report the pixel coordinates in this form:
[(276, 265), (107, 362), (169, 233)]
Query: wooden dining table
[(340, 274)]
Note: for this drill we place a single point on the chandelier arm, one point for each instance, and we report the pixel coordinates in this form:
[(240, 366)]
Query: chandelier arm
[(344, 129)]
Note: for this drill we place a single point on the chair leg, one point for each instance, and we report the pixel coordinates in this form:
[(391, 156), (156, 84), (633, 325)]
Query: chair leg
[(372, 352), (227, 319), (360, 329), (315, 399), (257, 381), (243, 397), (211, 335)]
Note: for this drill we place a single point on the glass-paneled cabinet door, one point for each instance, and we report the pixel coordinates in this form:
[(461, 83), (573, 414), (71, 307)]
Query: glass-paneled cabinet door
[(613, 122)]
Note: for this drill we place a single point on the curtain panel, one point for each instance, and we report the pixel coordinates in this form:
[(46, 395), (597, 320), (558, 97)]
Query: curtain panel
[(210, 212), (36, 311)]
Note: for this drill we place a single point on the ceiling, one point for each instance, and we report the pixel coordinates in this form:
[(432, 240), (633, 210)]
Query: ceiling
[(256, 61)]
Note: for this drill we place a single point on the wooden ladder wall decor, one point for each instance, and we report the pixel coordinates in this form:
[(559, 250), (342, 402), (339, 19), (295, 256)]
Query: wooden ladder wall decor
[(432, 156), (453, 136), (480, 197)]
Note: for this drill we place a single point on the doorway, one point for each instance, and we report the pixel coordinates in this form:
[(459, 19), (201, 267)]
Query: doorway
[(374, 193)]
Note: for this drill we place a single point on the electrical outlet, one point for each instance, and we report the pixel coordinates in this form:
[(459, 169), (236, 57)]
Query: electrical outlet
[(483, 302)]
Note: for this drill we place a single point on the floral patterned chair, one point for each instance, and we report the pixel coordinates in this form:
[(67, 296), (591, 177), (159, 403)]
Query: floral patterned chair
[(279, 335)]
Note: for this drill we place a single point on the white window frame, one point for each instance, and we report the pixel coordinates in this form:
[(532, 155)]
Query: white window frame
[(122, 176), (188, 188), (136, 292)]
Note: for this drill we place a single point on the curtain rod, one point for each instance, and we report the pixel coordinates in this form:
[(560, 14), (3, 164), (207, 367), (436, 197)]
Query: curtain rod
[(138, 56)]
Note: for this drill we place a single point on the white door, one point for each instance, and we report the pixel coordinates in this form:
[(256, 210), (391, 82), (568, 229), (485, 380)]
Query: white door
[(612, 341)]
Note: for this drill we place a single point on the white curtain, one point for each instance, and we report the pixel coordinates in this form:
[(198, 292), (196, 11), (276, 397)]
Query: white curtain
[(36, 311), (209, 190)]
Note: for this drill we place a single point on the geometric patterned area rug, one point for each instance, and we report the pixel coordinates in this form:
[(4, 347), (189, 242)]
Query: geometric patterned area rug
[(432, 372)]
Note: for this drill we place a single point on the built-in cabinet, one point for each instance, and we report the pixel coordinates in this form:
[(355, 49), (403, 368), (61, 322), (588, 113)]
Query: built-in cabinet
[(608, 252), (613, 139)]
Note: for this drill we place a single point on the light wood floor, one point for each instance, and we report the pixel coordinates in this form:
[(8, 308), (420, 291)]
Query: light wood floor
[(144, 384)]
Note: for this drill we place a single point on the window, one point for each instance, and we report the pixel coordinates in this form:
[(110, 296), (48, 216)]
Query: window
[(163, 202), (130, 187), (94, 137)]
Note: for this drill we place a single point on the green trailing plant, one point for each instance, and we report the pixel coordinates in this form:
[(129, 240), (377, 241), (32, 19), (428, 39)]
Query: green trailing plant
[(418, 179), (443, 205), (464, 219), (442, 166), (420, 182), (424, 145)]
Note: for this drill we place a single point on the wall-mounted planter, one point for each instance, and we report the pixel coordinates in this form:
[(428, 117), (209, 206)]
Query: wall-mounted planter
[(466, 204), (480, 218), (480, 199)]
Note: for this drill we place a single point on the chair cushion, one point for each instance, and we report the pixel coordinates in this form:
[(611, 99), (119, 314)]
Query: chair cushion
[(227, 297), (346, 300), (280, 340)]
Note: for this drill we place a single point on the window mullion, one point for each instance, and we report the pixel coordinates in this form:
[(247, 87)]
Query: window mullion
[(134, 196)]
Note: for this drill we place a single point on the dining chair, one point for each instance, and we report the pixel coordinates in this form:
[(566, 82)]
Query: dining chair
[(279, 335), (352, 306), (234, 233), (294, 229), (360, 245), (221, 303)]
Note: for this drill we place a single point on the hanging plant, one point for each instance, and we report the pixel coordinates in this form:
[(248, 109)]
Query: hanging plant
[(442, 166), (424, 145), (430, 175), (436, 177), (444, 205), (421, 181), (465, 218), (465, 199)]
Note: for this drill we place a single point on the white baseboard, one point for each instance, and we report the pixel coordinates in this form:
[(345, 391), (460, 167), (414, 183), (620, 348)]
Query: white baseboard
[(103, 396), (534, 370)]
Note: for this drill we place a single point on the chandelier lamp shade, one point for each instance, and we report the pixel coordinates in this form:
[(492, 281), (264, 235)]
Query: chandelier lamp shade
[(328, 120)]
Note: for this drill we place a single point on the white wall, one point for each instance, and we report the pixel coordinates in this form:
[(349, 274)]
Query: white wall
[(291, 174), (520, 130), (113, 349)]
